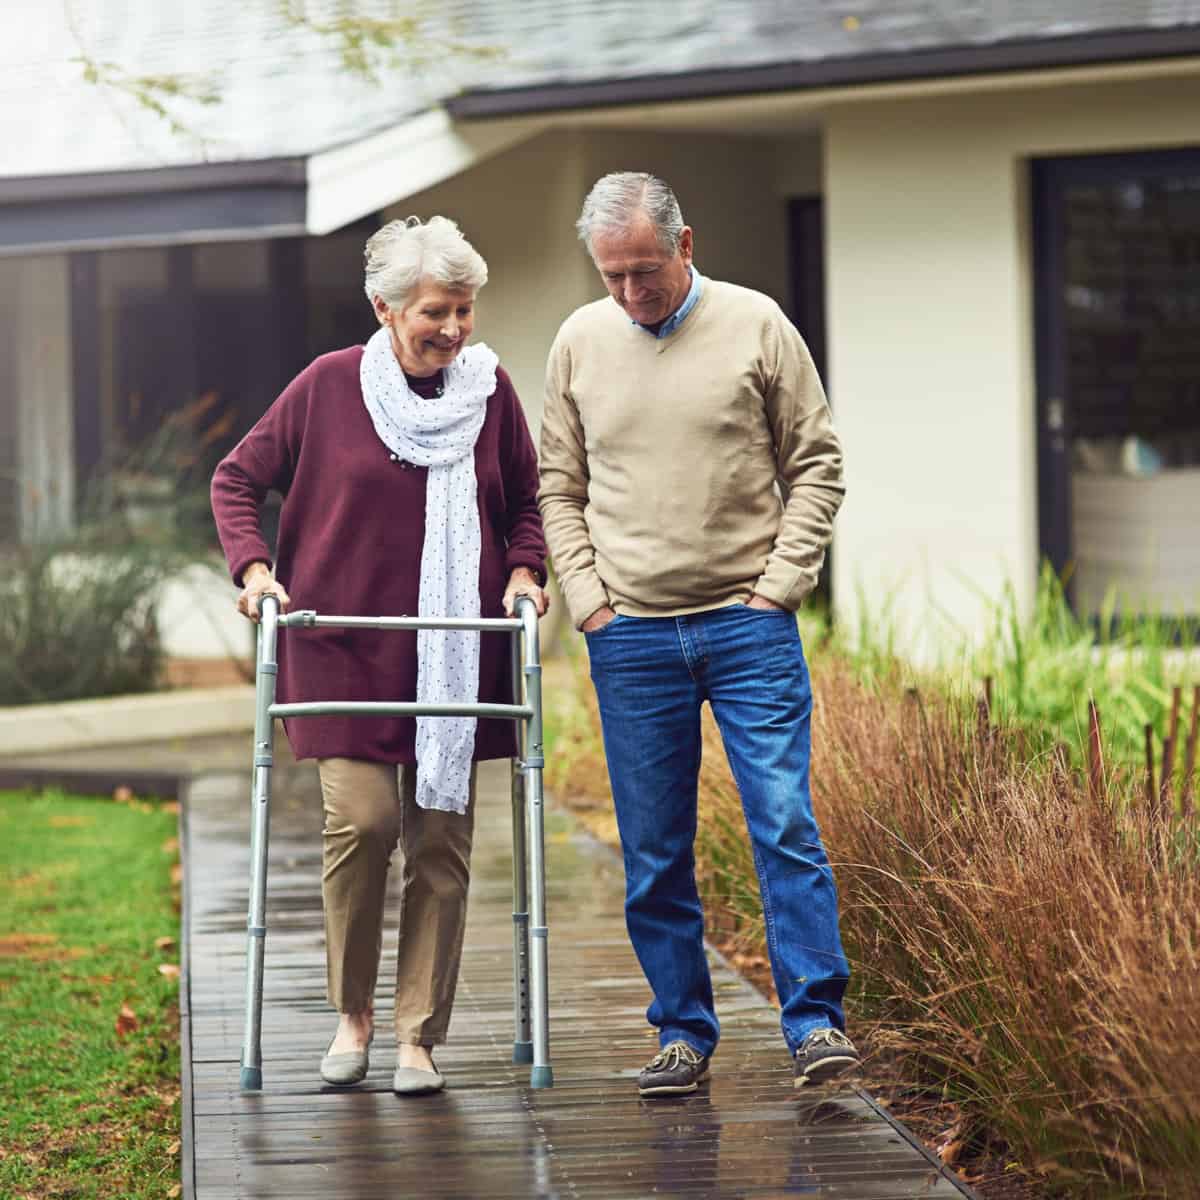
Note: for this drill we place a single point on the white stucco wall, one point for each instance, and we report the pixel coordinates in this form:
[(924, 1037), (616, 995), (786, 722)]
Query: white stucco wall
[(930, 314)]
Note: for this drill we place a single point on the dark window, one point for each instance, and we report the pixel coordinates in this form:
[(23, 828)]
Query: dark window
[(1118, 247)]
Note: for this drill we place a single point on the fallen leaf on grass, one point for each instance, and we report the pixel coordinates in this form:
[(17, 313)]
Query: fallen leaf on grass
[(170, 806), (127, 1021), (12, 945), (63, 821), (164, 943), (170, 970), (123, 794), (177, 873), (175, 1147), (171, 846), (175, 1191)]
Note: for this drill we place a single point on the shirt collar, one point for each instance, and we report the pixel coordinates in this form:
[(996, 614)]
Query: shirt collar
[(678, 317)]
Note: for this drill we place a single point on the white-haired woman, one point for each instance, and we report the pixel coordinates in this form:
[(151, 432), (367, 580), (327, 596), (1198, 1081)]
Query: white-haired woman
[(409, 483)]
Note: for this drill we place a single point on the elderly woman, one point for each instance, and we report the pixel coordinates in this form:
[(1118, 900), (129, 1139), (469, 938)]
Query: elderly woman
[(409, 484)]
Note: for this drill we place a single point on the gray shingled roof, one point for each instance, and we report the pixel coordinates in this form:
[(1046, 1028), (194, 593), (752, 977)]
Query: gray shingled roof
[(283, 92)]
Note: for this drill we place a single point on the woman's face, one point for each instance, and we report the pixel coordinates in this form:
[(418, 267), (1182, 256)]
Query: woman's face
[(432, 328)]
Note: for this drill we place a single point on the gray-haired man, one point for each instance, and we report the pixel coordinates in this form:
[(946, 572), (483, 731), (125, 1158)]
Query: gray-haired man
[(670, 416)]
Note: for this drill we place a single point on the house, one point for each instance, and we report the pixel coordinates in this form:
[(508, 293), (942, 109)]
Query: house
[(984, 219)]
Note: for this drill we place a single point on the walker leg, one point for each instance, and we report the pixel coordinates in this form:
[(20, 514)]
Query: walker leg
[(522, 1038), (260, 807), (541, 1075)]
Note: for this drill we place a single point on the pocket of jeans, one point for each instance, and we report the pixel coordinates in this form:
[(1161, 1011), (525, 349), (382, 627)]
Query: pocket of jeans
[(768, 612), (593, 633)]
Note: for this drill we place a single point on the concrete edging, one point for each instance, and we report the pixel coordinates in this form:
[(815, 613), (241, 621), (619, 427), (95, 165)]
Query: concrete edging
[(119, 720)]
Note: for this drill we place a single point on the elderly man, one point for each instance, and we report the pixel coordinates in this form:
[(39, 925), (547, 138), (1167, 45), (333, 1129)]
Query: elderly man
[(672, 409)]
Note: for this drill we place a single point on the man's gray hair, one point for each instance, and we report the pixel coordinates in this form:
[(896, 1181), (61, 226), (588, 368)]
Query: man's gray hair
[(616, 200), (402, 253)]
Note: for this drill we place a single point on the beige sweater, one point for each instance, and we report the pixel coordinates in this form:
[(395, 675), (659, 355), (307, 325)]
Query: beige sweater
[(659, 459)]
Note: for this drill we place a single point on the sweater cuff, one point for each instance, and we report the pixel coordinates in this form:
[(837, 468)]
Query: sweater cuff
[(531, 562), (240, 564), (584, 595), (784, 585)]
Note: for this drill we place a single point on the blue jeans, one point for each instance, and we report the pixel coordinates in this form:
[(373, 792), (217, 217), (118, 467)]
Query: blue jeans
[(651, 676)]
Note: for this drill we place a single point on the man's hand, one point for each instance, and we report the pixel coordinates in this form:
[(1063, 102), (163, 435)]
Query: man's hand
[(598, 619), (757, 601), (258, 582), (522, 583)]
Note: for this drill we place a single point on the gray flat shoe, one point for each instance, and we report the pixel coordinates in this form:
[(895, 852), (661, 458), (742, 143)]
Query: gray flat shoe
[(342, 1070), (408, 1081)]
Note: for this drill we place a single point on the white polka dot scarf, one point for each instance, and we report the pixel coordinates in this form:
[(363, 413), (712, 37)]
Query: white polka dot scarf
[(440, 434)]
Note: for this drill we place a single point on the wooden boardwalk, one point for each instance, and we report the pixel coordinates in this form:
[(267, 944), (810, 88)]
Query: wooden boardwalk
[(746, 1134)]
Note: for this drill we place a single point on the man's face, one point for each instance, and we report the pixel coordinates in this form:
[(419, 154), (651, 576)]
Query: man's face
[(646, 281)]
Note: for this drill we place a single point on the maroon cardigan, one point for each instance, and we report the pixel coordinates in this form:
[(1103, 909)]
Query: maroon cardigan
[(350, 537)]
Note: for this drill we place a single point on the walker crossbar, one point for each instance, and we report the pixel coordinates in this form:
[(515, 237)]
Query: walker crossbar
[(308, 619), (387, 708), (531, 994)]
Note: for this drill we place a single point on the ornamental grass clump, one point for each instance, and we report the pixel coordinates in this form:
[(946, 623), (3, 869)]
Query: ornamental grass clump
[(1027, 942)]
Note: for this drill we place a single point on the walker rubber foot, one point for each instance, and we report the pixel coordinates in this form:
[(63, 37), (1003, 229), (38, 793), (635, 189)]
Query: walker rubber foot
[(252, 1079), (541, 1077), (522, 1052)]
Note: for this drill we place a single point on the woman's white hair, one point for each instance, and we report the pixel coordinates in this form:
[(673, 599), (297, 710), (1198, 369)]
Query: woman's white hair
[(402, 253), (616, 200)]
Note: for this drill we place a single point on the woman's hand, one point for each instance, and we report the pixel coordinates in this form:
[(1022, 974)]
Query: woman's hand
[(522, 583), (258, 582)]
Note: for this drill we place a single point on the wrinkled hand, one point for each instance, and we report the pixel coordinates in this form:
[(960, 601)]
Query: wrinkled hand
[(522, 583), (259, 582), (598, 619), (757, 601)]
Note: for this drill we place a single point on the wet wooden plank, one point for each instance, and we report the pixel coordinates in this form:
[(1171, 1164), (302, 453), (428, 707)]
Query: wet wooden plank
[(746, 1134)]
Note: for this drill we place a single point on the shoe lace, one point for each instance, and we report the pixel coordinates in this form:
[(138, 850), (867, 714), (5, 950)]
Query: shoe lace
[(828, 1037), (671, 1056)]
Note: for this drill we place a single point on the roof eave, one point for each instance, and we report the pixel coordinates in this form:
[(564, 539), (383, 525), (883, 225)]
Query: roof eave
[(119, 209), (851, 71), (258, 172)]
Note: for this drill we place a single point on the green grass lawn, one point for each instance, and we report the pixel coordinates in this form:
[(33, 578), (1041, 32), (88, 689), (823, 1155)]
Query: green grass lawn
[(89, 1074)]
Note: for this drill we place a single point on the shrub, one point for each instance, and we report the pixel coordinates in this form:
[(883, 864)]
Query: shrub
[(74, 626), (77, 613)]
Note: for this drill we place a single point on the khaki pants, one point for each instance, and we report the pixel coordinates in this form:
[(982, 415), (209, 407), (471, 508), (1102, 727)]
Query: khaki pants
[(370, 808)]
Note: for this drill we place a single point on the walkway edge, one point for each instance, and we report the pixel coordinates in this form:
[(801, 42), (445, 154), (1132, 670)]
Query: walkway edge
[(122, 720), (187, 1136)]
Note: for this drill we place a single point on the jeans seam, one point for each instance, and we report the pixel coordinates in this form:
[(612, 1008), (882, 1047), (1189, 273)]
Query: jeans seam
[(687, 658), (764, 889)]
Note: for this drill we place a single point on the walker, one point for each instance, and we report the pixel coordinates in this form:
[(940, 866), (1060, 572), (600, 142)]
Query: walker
[(531, 1002)]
